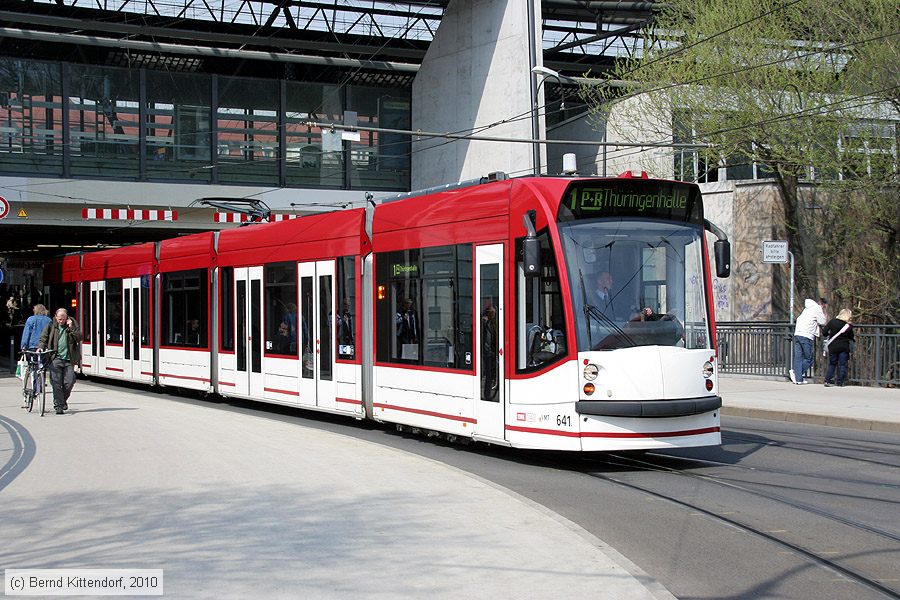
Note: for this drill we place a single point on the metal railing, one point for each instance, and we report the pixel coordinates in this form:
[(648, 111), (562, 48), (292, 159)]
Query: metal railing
[(764, 349)]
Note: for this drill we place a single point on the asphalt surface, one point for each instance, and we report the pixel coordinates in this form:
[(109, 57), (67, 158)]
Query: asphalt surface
[(234, 505), (746, 520)]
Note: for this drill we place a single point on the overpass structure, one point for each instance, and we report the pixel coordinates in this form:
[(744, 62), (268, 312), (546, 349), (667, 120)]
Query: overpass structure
[(116, 116)]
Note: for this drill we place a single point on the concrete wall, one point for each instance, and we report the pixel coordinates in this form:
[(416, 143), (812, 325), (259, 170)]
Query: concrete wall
[(589, 158), (756, 291), (476, 72), (629, 122)]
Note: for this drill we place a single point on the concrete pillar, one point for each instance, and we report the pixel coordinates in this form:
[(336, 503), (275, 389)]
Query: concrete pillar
[(477, 72)]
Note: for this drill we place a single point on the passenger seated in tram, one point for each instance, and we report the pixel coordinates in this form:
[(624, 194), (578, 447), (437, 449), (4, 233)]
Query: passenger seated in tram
[(284, 342), (194, 333)]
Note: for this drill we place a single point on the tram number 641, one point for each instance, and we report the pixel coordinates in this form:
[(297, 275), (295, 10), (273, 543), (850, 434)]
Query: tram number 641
[(564, 420)]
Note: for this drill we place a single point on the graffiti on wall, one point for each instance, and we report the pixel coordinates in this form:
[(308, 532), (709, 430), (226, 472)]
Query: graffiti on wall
[(720, 294)]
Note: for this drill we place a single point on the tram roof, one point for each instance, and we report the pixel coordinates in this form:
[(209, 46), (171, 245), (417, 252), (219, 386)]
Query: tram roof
[(128, 261), (187, 252), (324, 235), (62, 269)]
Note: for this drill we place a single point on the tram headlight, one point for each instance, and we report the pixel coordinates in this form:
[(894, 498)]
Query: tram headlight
[(591, 371), (708, 370)]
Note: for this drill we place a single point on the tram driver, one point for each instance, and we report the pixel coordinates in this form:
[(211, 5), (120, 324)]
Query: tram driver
[(608, 299)]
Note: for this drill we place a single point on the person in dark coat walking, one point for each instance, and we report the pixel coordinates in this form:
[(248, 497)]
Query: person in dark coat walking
[(839, 333), (63, 336)]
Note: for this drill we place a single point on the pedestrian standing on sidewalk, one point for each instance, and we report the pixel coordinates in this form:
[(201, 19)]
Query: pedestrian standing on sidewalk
[(63, 336), (838, 345), (805, 333)]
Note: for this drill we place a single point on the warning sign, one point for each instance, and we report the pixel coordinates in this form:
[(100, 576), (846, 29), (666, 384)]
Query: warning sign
[(4, 207), (22, 214)]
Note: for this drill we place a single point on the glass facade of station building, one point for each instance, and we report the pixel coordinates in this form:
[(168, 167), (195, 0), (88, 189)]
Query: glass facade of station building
[(90, 121)]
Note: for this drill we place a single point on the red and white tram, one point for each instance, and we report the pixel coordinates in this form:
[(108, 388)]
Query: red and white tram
[(538, 312)]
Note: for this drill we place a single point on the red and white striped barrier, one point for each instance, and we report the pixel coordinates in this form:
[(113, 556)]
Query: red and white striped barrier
[(221, 217), (230, 218), (123, 214)]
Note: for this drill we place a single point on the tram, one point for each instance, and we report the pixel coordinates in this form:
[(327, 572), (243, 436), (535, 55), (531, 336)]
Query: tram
[(562, 313)]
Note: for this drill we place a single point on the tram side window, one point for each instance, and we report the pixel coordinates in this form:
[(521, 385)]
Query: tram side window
[(540, 319), (424, 307), (62, 295), (86, 311), (281, 309), (145, 310), (345, 326), (114, 311), (184, 306), (226, 301)]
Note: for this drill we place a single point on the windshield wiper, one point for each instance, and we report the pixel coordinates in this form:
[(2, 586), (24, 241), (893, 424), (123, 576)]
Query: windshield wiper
[(585, 304)]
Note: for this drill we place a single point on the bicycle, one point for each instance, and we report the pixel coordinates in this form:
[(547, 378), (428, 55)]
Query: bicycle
[(35, 382)]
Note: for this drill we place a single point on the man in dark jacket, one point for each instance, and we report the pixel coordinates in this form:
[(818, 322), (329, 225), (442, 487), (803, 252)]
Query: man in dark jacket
[(62, 335)]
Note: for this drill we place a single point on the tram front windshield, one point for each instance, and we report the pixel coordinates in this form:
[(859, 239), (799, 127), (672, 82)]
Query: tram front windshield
[(636, 282)]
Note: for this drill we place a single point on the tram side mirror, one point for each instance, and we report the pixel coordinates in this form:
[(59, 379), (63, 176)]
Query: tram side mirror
[(531, 250), (722, 252)]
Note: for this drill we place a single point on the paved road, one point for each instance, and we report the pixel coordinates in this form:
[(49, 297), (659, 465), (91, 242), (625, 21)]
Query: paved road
[(235, 505), (787, 480)]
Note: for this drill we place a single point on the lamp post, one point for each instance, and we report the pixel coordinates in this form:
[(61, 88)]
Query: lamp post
[(544, 73)]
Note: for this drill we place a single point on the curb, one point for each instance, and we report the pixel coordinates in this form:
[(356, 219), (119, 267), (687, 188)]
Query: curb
[(810, 419)]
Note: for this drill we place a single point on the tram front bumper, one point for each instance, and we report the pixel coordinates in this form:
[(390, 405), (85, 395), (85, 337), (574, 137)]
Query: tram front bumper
[(649, 408)]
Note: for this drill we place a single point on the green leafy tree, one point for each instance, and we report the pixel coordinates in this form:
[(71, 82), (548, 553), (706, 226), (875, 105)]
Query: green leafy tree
[(784, 85)]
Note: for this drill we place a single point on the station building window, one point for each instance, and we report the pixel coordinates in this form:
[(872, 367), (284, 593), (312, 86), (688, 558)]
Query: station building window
[(380, 160), (424, 307), (281, 309), (198, 127), (179, 125), (247, 130), (314, 156), (31, 134), (104, 121), (183, 310)]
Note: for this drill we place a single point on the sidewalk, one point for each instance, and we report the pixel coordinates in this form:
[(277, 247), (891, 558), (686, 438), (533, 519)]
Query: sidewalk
[(236, 506), (871, 408)]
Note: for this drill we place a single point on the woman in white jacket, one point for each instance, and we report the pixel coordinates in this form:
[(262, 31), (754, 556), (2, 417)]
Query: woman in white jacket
[(806, 331)]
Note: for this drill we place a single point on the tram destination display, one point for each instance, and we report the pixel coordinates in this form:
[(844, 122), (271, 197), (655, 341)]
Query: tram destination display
[(669, 200)]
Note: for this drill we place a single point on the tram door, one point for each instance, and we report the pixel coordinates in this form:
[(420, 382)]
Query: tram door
[(490, 401), (317, 351), (131, 328), (98, 328), (248, 331)]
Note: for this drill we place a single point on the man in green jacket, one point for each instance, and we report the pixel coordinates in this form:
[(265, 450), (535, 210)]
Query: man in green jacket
[(62, 335)]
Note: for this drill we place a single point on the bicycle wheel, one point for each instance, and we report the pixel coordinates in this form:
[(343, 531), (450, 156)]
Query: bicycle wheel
[(28, 389), (43, 380)]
